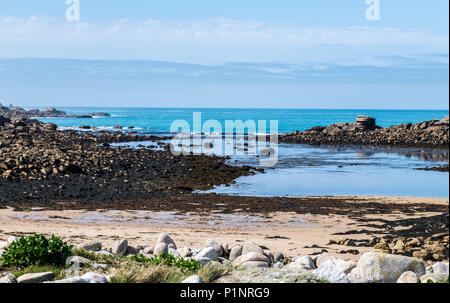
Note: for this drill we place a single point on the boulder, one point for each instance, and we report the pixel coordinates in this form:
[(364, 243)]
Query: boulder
[(174, 252), (215, 245), (235, 252), (203, 260), (252, 259), (252, 247), (254, 264), (8, 279), (120, 247), (330, 273), (207, 252), (268, 275), (148, 250), (408, 277), (322, 258), (365, 123), (434, 277), (103, 253), (440, 268), (77, 260), (165, 238), (185, 252), (345, 266), (304, 262), (192, 280), (72, 280), (385, 268), (94, 246), (131, 251), (92, 277), (278, 256), (161, 249), (36, 277)]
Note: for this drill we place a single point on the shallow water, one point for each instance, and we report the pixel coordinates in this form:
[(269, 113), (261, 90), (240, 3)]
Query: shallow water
[(303, 170)]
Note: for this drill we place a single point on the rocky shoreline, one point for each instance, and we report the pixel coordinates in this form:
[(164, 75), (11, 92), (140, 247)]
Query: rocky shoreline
[(15, 112), (428, 134), (227, 263), (39, 164)]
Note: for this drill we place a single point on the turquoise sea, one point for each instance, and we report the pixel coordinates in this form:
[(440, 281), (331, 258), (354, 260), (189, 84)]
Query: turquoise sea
[(158, 120), (303, 170)]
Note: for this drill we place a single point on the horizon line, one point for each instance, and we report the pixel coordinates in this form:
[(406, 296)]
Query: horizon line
[(228, 108)]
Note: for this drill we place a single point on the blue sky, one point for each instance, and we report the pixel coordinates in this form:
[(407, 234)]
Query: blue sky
[(305, 51)]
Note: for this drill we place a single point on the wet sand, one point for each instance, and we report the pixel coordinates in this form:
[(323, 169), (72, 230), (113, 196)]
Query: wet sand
[(292, 232)]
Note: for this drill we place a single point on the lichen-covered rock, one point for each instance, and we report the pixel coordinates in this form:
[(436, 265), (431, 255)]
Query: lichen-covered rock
[(385, 268), (161, 249), (120, 247), (8, 279), (218, 247), (329, 272), (165, 238), (192, 280), (94, 246), (304, 262), (252, 259), (408, 277), (268, 275), (235, 252), (252, 247), (207, 252), (434, 277), (36, 277), (440, 268), (322, 258)]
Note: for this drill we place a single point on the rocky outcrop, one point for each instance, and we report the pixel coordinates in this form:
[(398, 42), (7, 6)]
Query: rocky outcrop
[(40, 164), (51, 112), (364, 131)]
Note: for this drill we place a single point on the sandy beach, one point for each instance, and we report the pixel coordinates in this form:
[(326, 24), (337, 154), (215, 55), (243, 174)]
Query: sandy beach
[(288, 232)]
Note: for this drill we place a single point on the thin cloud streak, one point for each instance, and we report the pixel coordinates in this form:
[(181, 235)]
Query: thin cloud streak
[(212, 41)]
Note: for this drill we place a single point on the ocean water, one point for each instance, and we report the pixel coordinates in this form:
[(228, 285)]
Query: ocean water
[(303, 170), (158, 120)]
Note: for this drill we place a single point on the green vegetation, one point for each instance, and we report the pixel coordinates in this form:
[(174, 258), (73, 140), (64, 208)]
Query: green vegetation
[(85, 254), (441, 282), (134, 272), (36, 250), (187, 265)]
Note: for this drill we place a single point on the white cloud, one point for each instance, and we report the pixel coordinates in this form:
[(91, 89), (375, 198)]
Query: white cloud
[(212, 41)]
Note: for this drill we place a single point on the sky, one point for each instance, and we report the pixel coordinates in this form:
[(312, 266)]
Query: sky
[(285, 53)]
